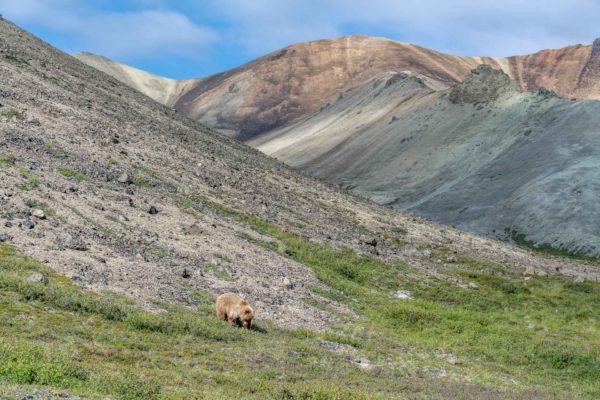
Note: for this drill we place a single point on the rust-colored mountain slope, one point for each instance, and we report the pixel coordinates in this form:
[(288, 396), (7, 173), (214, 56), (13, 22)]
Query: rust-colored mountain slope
[(571, 71), (293, 82)]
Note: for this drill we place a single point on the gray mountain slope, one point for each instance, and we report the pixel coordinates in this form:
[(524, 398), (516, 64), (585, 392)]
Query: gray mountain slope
[(482, 155)]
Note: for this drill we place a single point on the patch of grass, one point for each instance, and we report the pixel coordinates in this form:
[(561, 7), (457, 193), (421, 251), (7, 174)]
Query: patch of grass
[(7, 159), (28, 365), (117, 220), (322, 205), (545, 248), (55, 151), (16, 59), (103, 229), (10, 113), (141, 181), (328, 293), (216, 271), (71, 173), (205, 301), (32, 180), (223, 257), (158, 251), (184, 202), (399, 230), (34, 203)]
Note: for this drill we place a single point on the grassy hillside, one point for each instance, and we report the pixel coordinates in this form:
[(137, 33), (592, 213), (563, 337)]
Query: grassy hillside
[(509, 338)]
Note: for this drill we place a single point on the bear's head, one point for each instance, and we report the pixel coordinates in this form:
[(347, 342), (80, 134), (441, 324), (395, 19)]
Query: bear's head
[(245, 314)]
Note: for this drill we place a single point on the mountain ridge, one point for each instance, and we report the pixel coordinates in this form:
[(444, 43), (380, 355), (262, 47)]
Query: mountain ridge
[(297, 80)]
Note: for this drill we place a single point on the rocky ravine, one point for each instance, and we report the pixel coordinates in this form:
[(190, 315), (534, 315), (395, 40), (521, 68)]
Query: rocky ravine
[(119, 192)]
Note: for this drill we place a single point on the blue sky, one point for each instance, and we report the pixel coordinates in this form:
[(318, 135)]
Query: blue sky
[(188, 38)]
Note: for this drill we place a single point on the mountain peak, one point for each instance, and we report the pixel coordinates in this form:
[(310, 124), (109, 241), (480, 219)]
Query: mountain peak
[(482, 85)]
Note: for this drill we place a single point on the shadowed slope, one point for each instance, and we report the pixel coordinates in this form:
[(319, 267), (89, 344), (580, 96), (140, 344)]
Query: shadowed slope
[(482, 155)]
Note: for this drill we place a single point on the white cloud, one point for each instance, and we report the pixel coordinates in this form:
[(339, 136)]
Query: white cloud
[(130, 35), (464, 26), (194, 30), (145, 33)]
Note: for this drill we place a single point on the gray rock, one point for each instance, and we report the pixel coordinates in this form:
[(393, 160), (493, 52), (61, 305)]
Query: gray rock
[(4, 237), (402, 295), (38, 278), (124, 178), (287, 283), (40, 214), (75, 243), (29, 223), (473, 285), (362, 362)]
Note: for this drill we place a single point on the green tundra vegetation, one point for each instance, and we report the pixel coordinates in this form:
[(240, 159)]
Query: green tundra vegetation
[(504, 336)]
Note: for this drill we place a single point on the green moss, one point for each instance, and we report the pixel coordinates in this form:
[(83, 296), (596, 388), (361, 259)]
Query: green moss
[(184, 202)]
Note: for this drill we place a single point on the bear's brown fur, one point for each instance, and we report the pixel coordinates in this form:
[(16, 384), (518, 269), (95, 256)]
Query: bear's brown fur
[(232, 308)]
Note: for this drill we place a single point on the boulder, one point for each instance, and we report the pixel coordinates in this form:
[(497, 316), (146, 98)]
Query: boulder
[(40, 278)]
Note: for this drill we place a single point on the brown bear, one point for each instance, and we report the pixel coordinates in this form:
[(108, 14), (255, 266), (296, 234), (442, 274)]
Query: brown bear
[(232, 308)]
